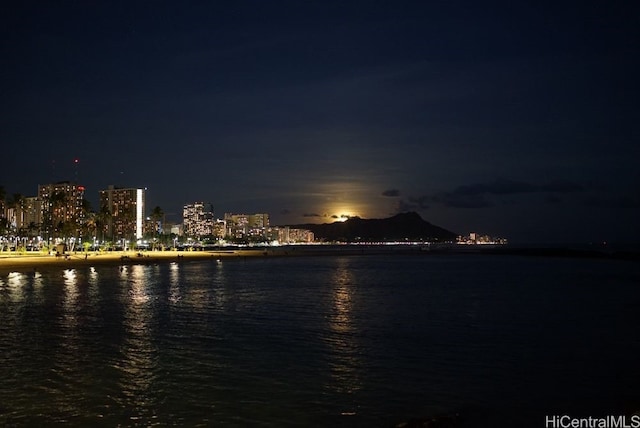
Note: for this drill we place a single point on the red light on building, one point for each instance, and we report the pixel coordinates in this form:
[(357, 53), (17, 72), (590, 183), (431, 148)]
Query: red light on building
[(81, 188)]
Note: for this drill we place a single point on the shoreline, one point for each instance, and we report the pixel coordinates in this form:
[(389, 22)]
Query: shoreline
[(24, 263), (43, 262)]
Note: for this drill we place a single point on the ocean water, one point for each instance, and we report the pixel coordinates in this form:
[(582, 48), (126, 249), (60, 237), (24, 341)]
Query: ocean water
[(321, 341)]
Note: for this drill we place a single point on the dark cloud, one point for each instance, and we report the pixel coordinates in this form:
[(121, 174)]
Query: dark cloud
[(478, 195), (552, 199), (616, 202), (404, 206), (419, 203), (498, 187), (391, 193), (311, 215), (503, 186), (285, 211), (462, 200), (413, 204), (561, 186)]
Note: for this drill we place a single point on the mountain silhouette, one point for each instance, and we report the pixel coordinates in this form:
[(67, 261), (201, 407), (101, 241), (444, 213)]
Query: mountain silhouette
[(405, 226)]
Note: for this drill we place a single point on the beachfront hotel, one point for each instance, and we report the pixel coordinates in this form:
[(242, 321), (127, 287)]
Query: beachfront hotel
[(61, 207), (246, 225), (125, 207), (287, 235), (198, 220)]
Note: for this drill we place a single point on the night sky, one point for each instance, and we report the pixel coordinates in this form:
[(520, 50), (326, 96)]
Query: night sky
[(517, 119)]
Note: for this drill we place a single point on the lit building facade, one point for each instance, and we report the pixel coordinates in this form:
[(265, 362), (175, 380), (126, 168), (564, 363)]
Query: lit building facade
[(126, 212), (220, 229), (198, 220), (29, 215), (61, 205), (152, 227), (287, 235), (246, 225)]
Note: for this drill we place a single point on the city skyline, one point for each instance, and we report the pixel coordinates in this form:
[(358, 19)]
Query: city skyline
[(516, 121)]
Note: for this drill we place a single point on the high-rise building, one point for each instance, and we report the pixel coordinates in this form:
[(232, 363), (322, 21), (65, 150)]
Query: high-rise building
[(151, 227), (249, 220), (126, 210), (62, 213), (29, 215), (286, 235), (243, 225), (220, 229), (198, 220)]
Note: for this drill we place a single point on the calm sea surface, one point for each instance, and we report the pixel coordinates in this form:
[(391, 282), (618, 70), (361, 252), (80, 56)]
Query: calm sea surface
[(321, 341)]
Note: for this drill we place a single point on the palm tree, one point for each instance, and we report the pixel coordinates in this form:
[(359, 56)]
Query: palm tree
[(68, 230), (3, 219), (102, 218), (16, 199), (16, 203), (57, 201), (9, 225), (89, 225), (3, 194), (156, 215), (128, 225), (32, 229), (4, 225)]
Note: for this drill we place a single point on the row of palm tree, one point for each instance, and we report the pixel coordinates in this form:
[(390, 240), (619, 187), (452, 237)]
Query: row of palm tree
[(92, 224), (13, 201)]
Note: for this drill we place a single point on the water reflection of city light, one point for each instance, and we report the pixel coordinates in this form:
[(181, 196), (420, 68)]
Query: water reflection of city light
[(137, 363), (38, 280), (124, 271), (69, 275), (138, 285), (14, 284), (219, 283), (70, 318), (344, 338), (174, 283), (14, 279), (71, 287)]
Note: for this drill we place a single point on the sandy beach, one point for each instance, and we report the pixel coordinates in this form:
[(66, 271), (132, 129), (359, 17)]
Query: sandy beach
[(28, 262), (11, 262)]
